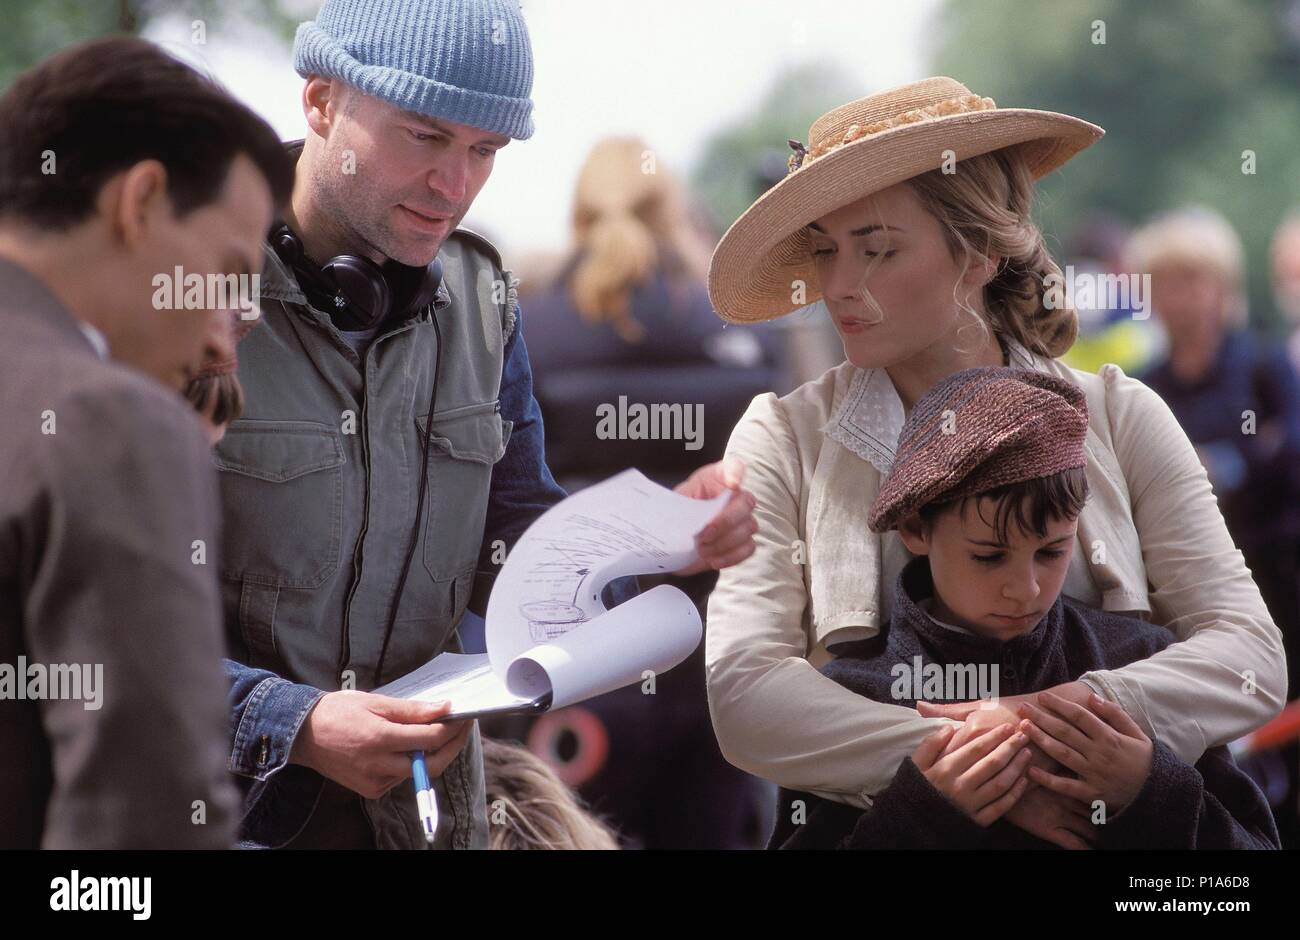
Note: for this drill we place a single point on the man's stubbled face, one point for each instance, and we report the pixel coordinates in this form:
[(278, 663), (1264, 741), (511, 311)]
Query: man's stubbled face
[(397, 183)]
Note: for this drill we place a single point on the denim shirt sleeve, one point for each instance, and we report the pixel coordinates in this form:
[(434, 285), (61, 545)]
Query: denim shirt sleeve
[(522, 485), (266, 713)]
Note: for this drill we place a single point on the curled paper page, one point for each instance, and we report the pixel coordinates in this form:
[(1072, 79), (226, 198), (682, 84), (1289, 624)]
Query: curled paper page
[(552, 579), (649, 634)]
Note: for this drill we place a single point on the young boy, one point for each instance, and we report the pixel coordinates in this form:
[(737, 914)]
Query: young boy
[(215, 391), (986, 490)]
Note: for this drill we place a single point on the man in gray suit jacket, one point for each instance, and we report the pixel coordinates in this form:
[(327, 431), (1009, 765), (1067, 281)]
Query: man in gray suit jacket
[(123, 174)]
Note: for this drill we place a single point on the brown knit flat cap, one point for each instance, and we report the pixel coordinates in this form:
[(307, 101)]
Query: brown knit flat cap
[(977, 430)]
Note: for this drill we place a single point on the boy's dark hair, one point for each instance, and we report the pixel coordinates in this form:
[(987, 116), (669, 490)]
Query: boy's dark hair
[(103, 106), (1030, 504), (220, 397)]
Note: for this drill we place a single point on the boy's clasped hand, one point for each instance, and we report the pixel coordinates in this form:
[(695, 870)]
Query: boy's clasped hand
[(1055, 763)]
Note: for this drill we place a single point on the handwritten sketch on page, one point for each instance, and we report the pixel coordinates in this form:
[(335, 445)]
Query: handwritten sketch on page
[(550, 640)]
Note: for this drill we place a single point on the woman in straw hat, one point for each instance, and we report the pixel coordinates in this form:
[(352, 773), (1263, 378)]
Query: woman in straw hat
[(908, 214)]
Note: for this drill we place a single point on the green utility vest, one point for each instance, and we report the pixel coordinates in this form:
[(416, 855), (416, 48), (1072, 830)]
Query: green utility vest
[(319, 483)]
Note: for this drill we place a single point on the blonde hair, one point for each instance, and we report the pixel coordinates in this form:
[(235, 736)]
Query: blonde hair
[(529, 807), (626, 209), (984, 210), (1196, 237)]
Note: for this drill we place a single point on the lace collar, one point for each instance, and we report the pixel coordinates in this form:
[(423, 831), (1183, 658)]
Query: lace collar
[(869, 421)]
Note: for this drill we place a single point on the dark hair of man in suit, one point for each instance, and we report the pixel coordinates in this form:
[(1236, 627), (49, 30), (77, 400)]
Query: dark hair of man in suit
[(100, 107)]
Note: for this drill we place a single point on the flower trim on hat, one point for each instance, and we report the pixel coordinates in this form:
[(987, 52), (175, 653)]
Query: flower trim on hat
[(963, 104)]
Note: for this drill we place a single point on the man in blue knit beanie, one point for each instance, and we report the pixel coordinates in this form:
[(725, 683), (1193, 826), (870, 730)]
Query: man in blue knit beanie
[(416, 83), (390, 451)]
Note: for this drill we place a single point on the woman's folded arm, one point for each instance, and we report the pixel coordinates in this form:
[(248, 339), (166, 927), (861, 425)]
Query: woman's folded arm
[(1227, 676)]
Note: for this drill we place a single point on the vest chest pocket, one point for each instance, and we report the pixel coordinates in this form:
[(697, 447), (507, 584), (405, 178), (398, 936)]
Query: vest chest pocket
[(464, 445), (282, 502)]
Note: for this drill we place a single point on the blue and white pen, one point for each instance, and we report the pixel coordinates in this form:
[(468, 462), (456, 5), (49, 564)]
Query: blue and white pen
[(425, 799)]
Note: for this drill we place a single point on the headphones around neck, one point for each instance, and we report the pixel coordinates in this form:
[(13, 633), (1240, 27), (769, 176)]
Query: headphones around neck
[(357, 293)]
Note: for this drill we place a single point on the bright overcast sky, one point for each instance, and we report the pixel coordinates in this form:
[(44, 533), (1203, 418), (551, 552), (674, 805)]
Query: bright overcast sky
[(671, 71)]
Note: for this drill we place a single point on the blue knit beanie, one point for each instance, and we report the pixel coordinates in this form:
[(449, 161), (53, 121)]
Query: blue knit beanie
[(466, 61)]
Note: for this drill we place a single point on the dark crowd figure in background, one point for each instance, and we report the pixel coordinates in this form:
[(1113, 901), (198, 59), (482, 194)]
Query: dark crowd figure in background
[(628, 316), (1285, 264), (1237, 396), (1108, 331)]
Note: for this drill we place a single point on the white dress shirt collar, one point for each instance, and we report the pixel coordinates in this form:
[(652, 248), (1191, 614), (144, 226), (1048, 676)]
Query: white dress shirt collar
[(97, 338)]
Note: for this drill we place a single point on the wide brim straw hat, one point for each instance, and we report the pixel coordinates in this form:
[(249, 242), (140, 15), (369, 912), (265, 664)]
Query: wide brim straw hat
[(858, 149)]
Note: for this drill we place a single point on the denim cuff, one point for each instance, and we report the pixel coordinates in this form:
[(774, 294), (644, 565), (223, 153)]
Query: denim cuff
[(269, 725)]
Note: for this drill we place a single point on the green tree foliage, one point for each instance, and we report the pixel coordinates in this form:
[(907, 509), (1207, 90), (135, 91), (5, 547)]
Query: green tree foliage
[(1183, 89), (730, 169), (33, 29)]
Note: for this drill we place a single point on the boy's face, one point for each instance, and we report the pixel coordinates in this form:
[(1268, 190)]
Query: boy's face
[(994, 589)]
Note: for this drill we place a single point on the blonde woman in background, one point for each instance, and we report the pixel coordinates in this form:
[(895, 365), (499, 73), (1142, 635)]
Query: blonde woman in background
[(908, 214), (630, 218), (628, 314)]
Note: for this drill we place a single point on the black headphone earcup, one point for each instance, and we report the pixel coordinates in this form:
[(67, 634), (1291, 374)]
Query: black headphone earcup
[(357, 293), (363, 283), (413, 287)]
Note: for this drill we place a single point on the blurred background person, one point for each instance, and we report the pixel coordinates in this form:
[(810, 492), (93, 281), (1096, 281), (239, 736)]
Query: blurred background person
[(1107, 332), (627, 315), (1284, 255), (1236, 395)]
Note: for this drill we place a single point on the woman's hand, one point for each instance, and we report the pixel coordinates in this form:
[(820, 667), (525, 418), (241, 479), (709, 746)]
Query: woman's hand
[(1109, 754), (983, 777), (728, 539), (1078, 692)]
